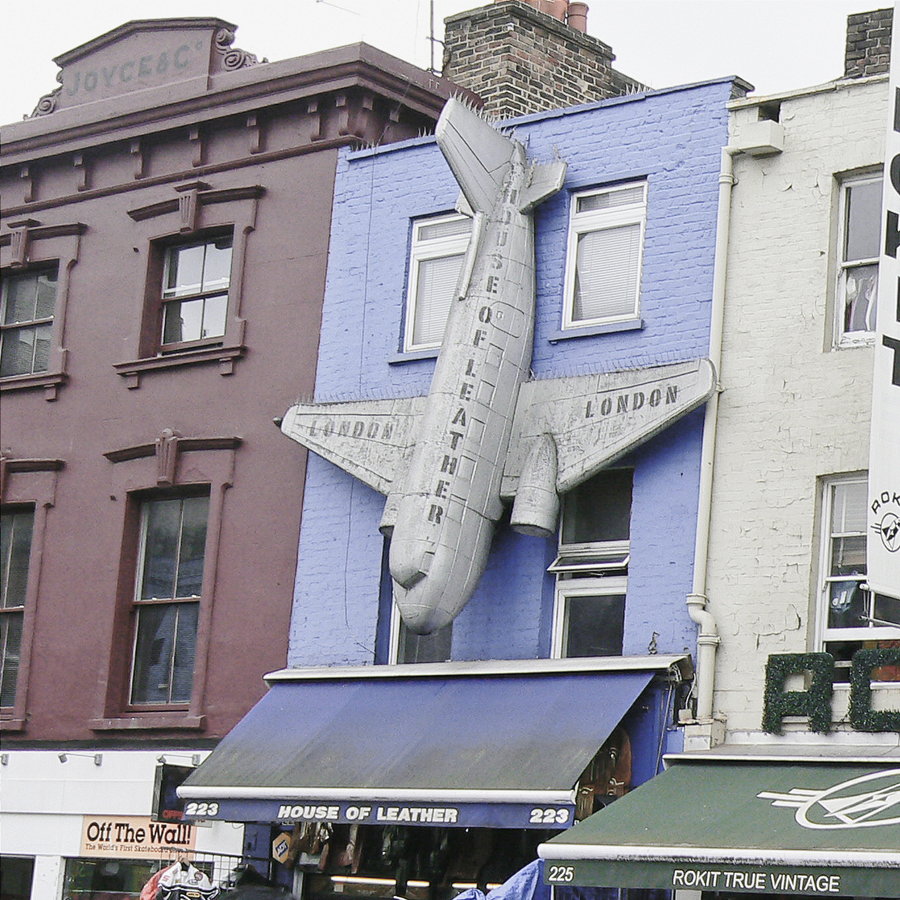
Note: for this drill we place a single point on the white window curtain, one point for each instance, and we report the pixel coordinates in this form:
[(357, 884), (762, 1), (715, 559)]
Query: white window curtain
[(436, 257), (435, 285), (603, 264), (606, 273)]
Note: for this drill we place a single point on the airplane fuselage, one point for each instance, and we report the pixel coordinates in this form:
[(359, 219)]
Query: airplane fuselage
[(449, 499)]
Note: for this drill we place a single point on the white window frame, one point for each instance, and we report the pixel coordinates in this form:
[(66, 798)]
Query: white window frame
[(566, 589), (585, 569), (11, 662), (422, 250), (844, 269), (872, 631), (35, 324), (590, 221)]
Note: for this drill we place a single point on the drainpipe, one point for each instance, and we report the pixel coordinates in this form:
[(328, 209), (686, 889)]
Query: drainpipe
[(697, 601)]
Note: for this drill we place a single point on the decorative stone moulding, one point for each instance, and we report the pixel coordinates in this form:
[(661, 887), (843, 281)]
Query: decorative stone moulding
[(232, 57), (47, 103)]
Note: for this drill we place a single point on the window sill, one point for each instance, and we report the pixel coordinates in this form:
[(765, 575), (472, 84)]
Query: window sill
[(147, 721), (865, 339), (593, 330), (412, 355), (9, 725), (49, 381), (224, 356)]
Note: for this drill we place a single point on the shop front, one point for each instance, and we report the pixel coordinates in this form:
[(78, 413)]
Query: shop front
[(96, 825), (731, 826), (423, 781)]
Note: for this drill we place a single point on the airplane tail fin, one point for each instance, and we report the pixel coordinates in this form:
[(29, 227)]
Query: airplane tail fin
[(546, 180), (480, 156), (476, 152)]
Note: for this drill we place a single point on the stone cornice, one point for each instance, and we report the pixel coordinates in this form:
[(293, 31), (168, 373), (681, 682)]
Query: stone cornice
[(226, 94)]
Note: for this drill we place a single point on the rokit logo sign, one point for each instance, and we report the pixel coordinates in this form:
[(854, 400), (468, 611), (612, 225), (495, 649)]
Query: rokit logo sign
[(869, 801), (887, 523)]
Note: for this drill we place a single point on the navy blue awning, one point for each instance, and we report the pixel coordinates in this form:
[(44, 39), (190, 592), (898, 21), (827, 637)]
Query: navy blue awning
[(464, 744)]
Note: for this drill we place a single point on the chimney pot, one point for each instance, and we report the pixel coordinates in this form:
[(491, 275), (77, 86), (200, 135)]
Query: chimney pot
[(577, 17), (554, 8)]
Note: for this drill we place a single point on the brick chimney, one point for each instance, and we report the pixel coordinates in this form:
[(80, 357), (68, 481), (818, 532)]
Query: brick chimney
[(868, 43), (522, 57)]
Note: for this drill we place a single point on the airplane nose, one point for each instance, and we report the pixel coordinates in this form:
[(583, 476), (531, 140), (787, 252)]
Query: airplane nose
[(422, 619)]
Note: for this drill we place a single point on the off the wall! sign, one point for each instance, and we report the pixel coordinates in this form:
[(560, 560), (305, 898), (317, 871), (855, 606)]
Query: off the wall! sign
[(133, 836)]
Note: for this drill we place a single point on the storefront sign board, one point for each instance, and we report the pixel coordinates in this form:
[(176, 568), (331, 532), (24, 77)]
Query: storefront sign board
[(809, 881), (114, 837), (374, 812)]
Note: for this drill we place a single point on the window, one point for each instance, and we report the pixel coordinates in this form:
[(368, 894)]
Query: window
[(851, 617), (167, 599), (196, 278), (28, 490), (15, 557), (18, 874), (162, 628), (192, 248), (38, 262), (109, 879), (438, 248), (26, 321), (603, 268), (421, 648), (592, 565), (859, 225)]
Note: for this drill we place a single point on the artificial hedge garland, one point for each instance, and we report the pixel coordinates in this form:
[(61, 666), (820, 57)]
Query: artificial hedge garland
[(814, 703), (862, 716)]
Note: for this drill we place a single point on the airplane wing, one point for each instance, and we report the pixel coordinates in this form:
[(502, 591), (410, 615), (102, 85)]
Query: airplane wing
[(594, 419), (366, 438)]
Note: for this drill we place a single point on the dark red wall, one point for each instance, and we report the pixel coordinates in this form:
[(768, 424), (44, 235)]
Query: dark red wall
[(96, 168)]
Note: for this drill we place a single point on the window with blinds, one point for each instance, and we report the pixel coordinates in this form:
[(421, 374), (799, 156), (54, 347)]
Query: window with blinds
[(438, 247), (603, 269)]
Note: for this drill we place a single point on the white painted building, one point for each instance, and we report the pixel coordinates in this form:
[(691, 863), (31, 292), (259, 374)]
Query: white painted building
[(787, 545), (50, 801)]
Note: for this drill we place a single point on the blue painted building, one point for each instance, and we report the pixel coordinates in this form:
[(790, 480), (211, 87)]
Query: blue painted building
[(670, 141), (441, 761)]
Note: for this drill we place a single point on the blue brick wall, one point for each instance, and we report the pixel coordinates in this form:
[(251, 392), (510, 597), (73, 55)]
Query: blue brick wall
[(672, 138)]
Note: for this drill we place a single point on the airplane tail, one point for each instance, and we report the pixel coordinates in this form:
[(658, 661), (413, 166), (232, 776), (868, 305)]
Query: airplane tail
[(480, 157)]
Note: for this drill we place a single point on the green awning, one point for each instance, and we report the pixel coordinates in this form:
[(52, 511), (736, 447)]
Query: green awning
[(792, 827)]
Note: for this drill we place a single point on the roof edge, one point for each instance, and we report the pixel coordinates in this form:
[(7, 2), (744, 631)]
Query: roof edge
[(596, 664), (139, 25), (822, 757)]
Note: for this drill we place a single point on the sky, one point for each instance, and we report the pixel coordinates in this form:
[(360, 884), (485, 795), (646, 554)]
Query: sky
[(776, 45)]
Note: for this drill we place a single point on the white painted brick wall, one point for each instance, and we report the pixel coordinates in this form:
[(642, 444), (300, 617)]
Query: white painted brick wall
[(793, 410)]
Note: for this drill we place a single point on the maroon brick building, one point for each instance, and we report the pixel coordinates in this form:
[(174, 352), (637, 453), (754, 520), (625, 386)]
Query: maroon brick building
[(165, 226)]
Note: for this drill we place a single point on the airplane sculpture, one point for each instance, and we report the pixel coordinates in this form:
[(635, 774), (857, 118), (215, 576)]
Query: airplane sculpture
[(485, 434)]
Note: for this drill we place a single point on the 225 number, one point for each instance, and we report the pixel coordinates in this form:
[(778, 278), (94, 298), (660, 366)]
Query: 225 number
[(558, 874)]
